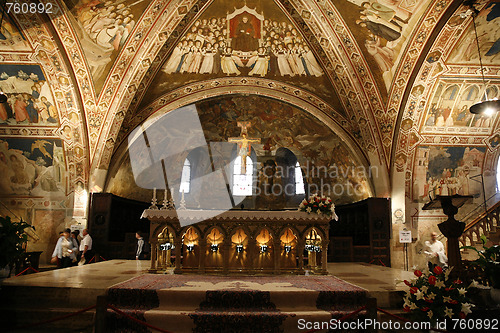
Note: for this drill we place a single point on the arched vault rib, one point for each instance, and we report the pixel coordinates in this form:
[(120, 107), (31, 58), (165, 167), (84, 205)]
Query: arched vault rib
[(122, 100), (211, 88)]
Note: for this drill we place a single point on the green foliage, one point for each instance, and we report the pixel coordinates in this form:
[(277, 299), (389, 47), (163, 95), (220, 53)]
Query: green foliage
[(489, 259), (12, 239)]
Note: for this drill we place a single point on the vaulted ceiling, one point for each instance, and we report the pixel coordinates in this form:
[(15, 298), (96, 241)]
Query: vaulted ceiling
[(383, 69)]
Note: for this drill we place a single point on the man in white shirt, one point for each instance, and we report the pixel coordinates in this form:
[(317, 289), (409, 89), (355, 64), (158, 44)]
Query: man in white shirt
[(86, 246), (435, 252)]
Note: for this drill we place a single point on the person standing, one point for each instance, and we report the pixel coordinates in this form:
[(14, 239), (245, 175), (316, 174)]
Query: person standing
[(139, 252), (435, 252), (65, 250), (86, 246)]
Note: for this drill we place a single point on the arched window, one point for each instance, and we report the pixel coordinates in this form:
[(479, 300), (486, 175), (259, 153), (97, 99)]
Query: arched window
[(185, 177), (242, 183), (299, 180)]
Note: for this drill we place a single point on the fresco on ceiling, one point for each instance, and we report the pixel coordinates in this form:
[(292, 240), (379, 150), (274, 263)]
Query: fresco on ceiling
[(239, 39), (448, 111), (324, 157), (487, 22), (11, 37), (381, 29), (33, 167), (446, 171), (29, 98), (102, 28)]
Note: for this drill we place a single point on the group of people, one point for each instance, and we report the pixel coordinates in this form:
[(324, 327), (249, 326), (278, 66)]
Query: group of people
[(107, 24), (444, 117), (70, 251), (28, 108), (274, 49)]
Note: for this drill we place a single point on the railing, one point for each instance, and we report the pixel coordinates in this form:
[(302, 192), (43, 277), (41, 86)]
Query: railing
[(478, 221)]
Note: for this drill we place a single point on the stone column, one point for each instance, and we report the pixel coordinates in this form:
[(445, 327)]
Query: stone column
[(178, 254), (226, 245), (277, 255), (203, 251), (251, 254), (153, 257), (324, 252), (300, 253)]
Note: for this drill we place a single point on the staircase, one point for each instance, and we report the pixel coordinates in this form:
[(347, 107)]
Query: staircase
[(478, 223), (229, 304)]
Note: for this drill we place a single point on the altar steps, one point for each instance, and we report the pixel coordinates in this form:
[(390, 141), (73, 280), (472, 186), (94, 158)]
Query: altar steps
[(229, 304)]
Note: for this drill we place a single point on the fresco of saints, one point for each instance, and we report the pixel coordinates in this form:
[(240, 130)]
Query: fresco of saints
[(244, 39)]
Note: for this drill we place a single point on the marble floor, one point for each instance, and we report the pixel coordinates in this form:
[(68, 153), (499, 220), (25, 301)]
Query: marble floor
[(102, 275)]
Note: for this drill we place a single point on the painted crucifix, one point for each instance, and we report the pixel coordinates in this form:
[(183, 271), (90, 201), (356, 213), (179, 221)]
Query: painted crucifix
[(244, 144)]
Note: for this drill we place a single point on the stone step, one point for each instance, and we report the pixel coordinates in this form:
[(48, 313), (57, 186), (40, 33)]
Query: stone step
[(257, 321)]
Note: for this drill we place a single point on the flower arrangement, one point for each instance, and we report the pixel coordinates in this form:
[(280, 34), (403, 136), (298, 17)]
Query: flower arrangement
[(434, 296), (319, 205)]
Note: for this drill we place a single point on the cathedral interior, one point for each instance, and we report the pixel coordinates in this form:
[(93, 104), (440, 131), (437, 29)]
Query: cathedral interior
[(355, 100)]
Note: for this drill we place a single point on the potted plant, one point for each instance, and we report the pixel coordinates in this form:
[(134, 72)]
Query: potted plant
[(13, 237), (489, 260)]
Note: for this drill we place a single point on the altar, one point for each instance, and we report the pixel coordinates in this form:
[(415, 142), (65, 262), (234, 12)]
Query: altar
[(239, 241)]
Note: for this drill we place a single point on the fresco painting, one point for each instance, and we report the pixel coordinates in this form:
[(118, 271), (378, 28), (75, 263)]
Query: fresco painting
[(381, 28), (33, 167), (449, 108), (104, 26), (487, 23), (29, 98), (446, 171), (236, 38), (276, 124), (11, 37)]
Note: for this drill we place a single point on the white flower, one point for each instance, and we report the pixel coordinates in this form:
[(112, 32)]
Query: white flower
[(447, 273), (446, 299), (309, 210), (321, 204), (430, 314), (440, 284), (462, 291), (448, 312), (431, 296), (424, 289), (420, 295), (301, 205), (466, 308), (413, 306)]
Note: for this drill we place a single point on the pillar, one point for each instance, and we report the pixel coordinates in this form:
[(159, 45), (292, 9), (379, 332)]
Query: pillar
[(300, 252), (324, 252), (226, 245), (251, 254), (277, 255), (178, 255), (153, 257), (203, 251)]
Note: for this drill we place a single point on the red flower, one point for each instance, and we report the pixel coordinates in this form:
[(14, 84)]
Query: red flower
[(428, 300), (413, 290), (448, 289), (432, 280), (329, 200), (438, 270), (407, 283), (453, 301), (462, 315), (406, 309), (315, 206), (418, 273), (425, 309), (457, 281)]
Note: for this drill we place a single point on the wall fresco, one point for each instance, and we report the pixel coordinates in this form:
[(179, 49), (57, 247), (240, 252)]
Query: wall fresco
[(29, 97), (32, 167), (240, 39)]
